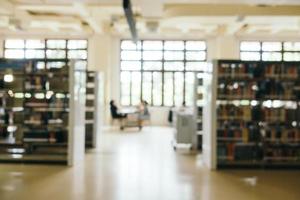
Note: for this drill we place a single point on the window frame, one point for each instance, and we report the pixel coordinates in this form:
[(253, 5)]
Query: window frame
[(45, 59), (162, 71), (261, 51)]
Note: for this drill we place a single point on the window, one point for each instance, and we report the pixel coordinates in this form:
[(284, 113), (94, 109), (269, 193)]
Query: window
[(47, 50), (160, 71), (270, 51)]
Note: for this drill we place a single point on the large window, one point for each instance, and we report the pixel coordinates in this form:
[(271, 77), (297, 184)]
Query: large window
[(47, 50), (160, 71), (270, 51)]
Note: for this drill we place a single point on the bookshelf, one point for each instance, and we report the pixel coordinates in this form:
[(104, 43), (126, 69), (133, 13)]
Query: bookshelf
[(38, 108), (252, 114), (199, 107), (94, 106)]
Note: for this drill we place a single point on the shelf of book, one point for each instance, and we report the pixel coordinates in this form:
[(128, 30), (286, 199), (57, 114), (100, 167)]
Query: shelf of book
[(198, 108), (93, 109), (89, 113), (37, 111), (255, 114)]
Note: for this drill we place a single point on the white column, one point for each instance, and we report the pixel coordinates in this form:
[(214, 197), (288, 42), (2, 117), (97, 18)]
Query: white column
[(104, 56), (223, 47)]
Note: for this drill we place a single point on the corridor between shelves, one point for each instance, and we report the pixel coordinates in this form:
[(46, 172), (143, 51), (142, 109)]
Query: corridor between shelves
[(142, 165)]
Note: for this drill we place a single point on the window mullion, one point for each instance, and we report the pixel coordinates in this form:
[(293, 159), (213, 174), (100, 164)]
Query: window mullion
[(161, 80), (66, 50), (261, 50), (163, 74), (184, 70), (173, 83), (152, 88), (282, 51), (130, 89), (24, 49), (45, 53), (142, 69)]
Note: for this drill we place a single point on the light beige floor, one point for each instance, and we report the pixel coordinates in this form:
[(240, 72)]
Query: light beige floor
[(143, 166)]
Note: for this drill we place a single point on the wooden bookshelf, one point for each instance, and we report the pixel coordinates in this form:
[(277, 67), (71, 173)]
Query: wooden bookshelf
[(198, 108), (254, 114), (38, 106), (90, 109), (94, 105)]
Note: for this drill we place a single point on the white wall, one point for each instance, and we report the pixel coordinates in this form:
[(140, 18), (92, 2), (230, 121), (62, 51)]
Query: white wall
[(223, 47), (104, 57)]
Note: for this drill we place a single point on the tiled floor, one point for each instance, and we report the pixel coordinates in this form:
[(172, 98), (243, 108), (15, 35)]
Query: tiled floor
[(143, 166)]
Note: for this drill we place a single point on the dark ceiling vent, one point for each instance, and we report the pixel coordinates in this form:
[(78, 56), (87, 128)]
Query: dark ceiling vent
[(263, 5), (50, 14), (130, 19)]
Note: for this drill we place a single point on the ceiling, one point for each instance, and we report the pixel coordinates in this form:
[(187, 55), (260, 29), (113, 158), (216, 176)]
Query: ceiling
[(156, 17), (250, 2)]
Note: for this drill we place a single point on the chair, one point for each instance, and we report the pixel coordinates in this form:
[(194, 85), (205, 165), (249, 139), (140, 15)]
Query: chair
[(118, 118), (145, 117)]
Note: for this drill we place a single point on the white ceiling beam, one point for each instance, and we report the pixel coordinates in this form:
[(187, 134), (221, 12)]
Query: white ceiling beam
[(44, 24), (151, 9), (77, 27), (6, 8), (251, 29), (44, 8), (210, 29), (277, 29), (74, 26), (86, 16), (185, 30), (121, 27), (24, 17), (221, 29), (64, 19), (4, 21), (12, 28), (176, 10), (234, 28), (55, 26)]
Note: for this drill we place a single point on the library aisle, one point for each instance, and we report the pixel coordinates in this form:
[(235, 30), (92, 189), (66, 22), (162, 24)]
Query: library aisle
[(143, 166)]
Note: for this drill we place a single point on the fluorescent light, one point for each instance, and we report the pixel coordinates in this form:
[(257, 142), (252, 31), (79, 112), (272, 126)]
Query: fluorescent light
[(49, 94), (39, 96), (60, 95), (17, 156), (11, 128), (8, 78), (27, 95), (19, 95)]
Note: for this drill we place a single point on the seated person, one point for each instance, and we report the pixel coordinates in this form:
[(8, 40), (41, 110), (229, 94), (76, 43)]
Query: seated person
[(144, 113), (114, 111)]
